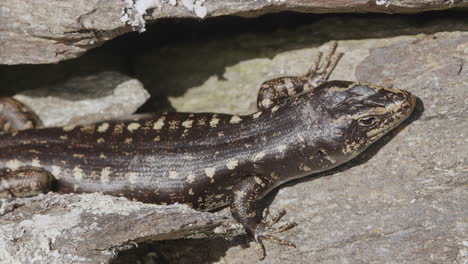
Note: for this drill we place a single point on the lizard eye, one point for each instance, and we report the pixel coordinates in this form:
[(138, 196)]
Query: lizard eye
[(367, 121)]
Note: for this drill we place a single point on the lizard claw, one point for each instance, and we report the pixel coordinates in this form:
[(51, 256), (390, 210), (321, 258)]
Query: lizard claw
[(321, 70), (265, 231)]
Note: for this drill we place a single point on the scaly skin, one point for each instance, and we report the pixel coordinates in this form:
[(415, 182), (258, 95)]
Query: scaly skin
[(304, 125)]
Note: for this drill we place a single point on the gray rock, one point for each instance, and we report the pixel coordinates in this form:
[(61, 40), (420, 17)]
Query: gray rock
[(402, 201), (86, 99), (30, 34), (92, 228)]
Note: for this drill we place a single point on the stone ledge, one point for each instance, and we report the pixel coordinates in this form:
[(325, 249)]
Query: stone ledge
[(40, 31)]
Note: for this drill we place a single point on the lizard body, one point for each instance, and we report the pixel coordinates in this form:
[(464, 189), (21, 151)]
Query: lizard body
[(304, 125)]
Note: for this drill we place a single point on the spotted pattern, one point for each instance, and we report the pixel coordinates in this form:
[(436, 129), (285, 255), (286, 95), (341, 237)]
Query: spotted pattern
[(232, 164), (105, 175), (235, 120), (214, 121), (133, 126), (210, 172), (159, 124), (210, 160), (103, 127)]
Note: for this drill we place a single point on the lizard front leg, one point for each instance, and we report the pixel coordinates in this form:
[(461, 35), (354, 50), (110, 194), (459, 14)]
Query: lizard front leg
[(273, 91), (244, 209)]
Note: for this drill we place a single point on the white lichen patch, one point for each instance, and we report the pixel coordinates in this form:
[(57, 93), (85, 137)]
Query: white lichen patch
[(197, 6), (387, 3), (104, 204), (40, 229), (135, 10)]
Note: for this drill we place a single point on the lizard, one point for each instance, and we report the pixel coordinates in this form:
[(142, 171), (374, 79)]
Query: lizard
[(304, 125)]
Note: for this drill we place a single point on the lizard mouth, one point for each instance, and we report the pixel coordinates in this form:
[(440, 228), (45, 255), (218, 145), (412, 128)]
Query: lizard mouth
[(403, 105), (407, 105)]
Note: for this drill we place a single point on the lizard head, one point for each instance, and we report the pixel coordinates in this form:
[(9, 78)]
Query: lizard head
[(360, 113)]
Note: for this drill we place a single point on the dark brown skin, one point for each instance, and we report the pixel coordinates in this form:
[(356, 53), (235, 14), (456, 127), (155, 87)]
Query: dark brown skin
[(305, 125)]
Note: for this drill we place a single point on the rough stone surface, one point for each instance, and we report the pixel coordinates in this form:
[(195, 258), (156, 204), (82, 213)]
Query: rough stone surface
[(402, 201), (45, 31), (86, 99), (92, 228)]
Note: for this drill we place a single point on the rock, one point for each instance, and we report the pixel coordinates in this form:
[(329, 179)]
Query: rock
[(402, 201), (235, 67), (31, 35), (86, 99), (91, 228)]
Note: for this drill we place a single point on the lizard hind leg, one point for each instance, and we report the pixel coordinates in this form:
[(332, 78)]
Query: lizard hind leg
[(25, 182), (244, 209), (15, 116)]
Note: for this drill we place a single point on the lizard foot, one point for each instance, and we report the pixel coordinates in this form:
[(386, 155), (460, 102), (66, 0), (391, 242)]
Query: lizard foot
[(265, 231), (25, 182), (15, 116), (321, 70)]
